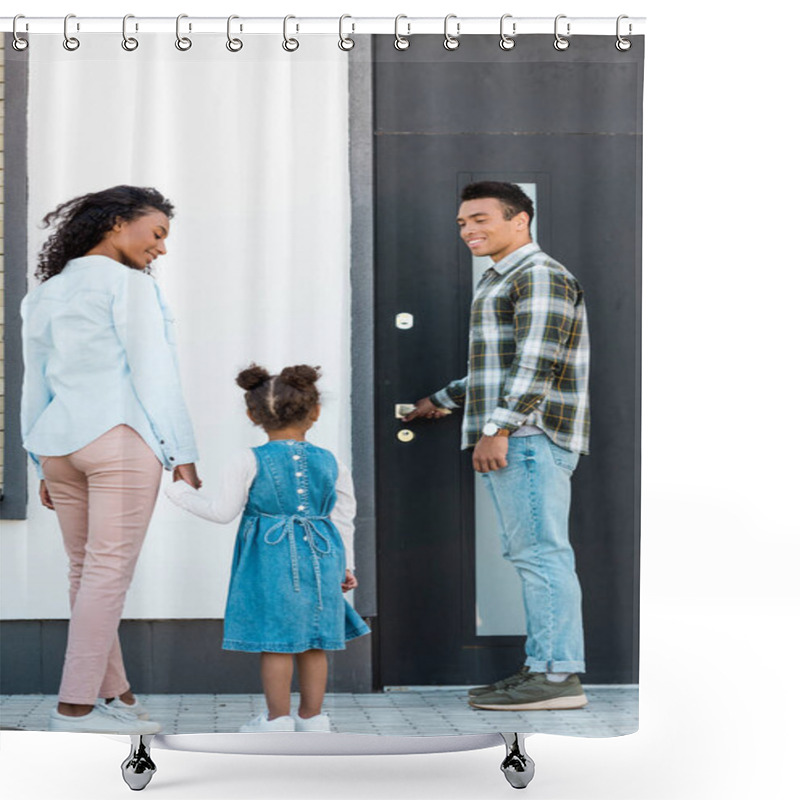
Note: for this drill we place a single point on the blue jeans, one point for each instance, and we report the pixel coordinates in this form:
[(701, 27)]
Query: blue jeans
[(531, 496)]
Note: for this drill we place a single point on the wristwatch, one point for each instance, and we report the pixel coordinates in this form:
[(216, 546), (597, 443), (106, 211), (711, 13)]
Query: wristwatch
[(490, 429)]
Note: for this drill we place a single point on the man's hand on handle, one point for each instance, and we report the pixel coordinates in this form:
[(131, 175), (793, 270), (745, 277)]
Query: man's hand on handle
[(425, 408)]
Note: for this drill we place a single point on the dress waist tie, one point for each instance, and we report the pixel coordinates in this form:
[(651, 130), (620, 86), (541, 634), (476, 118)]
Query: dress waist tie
[(318, 543)]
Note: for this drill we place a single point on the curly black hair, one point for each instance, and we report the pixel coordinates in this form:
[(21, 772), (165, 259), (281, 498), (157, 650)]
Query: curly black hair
[(277, 401), (511, 197), (81, 223)]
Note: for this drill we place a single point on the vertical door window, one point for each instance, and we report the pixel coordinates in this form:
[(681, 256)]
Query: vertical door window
[(498, 605)]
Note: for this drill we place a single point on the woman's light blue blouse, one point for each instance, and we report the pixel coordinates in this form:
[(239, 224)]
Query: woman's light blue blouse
[(99, 351)]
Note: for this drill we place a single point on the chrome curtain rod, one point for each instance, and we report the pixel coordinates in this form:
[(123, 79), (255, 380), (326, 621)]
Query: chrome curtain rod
[(347, 25)]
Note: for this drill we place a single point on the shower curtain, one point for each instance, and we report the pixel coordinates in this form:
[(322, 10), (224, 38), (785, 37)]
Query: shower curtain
[(316, 195)]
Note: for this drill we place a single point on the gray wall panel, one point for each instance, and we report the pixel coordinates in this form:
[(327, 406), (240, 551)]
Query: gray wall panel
[(466, 83), (15, 488), (21, 658), (169, 656)]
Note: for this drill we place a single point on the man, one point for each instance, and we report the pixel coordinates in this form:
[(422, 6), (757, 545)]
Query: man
[(526, 413)]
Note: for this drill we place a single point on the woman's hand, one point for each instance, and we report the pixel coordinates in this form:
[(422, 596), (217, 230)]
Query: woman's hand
[(44, 496), (188, 473), (350, 581)]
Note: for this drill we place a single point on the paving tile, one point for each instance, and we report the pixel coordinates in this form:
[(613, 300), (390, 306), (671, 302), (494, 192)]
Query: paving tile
[(612, 711)]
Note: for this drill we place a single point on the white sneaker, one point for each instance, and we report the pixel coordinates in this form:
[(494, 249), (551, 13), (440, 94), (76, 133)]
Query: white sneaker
[(137, 709), (102, 719), (262, 724), (321, 723)]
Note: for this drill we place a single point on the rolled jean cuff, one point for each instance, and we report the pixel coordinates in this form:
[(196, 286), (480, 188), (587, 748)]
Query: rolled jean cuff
[(555, 666)]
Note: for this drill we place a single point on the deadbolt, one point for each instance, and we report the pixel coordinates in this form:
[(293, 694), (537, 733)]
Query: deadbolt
[(404, 321), (405, 435)]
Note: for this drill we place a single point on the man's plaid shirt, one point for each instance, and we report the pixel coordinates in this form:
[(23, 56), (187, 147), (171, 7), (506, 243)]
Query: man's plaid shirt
[(528, 353)]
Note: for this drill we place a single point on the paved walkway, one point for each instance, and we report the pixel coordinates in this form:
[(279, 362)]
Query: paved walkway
[(612, 711)]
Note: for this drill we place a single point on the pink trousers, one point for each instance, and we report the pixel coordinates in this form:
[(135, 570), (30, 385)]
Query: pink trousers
[(104, 495)]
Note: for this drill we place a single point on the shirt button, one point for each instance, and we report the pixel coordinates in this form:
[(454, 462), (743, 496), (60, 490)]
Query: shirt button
[(161, 442), (301, 508), (296, 458), (300, 491), (305, 538), (298, 474), (171, 458)]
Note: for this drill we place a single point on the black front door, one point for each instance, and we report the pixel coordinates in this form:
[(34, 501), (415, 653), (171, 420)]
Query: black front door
[(567, 127)]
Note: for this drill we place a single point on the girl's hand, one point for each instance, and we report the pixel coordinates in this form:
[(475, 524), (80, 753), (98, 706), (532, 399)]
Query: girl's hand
[(44, 496), (350, 581)]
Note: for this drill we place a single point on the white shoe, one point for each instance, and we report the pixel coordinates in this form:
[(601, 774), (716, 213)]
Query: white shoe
[(137, 709), (321, 723), (102, 719), (262, 724)]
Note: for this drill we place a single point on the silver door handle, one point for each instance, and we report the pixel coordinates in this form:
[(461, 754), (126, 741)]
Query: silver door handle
[(401, 409)]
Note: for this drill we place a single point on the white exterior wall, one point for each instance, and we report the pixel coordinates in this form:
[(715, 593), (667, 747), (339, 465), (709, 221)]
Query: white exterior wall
[(252, 150)]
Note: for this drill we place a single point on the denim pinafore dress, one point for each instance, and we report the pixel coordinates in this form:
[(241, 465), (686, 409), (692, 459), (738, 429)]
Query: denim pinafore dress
[(285, 593)]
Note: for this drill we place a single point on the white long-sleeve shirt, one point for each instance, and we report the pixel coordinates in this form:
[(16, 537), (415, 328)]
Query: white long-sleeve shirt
[(226, 504)]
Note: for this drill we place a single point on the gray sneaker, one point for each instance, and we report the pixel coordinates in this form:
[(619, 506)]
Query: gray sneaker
[(534, 693), (511, 680)]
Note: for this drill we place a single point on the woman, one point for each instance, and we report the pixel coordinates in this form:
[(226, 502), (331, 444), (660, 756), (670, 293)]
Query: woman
[(102, 413)]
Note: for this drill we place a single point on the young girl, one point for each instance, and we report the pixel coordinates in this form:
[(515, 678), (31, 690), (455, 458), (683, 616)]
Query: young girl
[(293, 558)]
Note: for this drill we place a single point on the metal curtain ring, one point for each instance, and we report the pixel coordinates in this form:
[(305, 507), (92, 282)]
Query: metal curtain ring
[(345, 42), (182, 42), (623, 44), (507, 42), (401, 42), (19, 43), (233, 44), (451, 42), (129, 43), (70, 42), (560, 42), (289, 45)]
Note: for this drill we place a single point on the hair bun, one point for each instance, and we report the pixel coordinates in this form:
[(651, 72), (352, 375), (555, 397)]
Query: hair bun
[(252, 377), (300, 376)]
